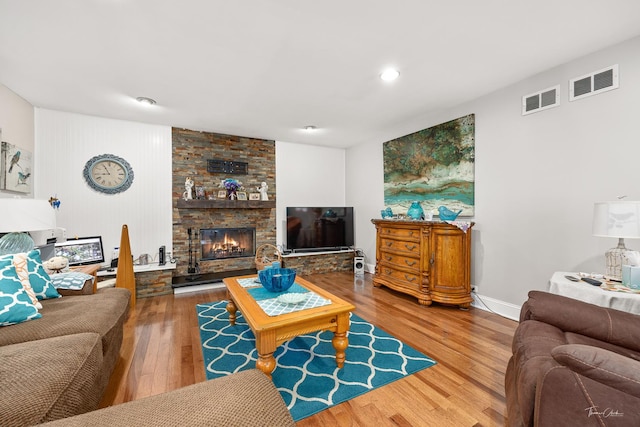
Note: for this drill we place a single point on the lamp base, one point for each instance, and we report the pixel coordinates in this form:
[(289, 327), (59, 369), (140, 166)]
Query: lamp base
[(616, 257), (13, 243)]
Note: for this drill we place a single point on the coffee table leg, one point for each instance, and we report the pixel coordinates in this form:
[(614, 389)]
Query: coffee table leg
[(266, 346), (231, 308), (340, 341), (266, 363)]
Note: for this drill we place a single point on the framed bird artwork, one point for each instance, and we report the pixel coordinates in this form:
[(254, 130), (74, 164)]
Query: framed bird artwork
[(16, 166)]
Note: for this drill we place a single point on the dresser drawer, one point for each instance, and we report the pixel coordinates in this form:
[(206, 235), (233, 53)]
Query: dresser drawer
[(400, 261), (400, 233), (390, 273), (409, 247)]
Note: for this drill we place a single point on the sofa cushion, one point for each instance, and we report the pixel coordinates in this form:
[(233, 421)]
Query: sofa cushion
[(15, 304), (601, 365), (103, 313), (565, 398), (570, 315), (50, 379), (243, 399)]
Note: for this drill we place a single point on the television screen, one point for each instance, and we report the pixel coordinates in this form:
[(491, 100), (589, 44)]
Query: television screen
[(81, 251), (319, 228)]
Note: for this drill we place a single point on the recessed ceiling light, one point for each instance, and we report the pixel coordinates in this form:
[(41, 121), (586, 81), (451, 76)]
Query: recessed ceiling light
[(310, 128), (389, 74), (146, 101)]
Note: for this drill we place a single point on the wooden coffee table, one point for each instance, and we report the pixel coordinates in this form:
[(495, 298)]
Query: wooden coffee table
[(271, 331)]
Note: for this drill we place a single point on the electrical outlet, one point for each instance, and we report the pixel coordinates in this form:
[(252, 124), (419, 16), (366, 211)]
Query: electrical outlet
[(474, 289)]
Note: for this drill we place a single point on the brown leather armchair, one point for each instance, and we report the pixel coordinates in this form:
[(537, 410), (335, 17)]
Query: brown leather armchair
[(573, 363)]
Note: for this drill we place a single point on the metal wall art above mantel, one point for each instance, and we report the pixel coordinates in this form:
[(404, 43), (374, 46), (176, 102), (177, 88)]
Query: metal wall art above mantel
[(227, 166)]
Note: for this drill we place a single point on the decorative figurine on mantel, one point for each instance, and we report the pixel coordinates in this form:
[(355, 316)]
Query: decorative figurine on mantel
[(188, 189), (263, 191), (231, 186)]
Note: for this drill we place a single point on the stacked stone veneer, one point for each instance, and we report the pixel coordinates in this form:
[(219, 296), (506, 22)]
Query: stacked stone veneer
[(153, 283), (191, 150), (319, 263)]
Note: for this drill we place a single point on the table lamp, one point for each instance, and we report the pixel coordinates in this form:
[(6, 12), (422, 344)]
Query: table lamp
[(20, 216), (619, 219)]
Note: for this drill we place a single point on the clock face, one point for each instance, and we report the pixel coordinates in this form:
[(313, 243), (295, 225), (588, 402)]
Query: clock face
[(108, 174)]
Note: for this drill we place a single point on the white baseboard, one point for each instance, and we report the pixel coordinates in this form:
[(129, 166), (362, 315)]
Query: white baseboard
[(504, 309), (195, 288)]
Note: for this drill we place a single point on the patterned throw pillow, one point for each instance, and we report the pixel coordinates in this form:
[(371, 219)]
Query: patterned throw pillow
[(20, 264), (15, 304), (73, 280), (39, 279)]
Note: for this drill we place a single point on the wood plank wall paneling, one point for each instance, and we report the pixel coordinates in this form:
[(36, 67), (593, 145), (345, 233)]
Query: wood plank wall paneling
[(66, 141), (161, 352)]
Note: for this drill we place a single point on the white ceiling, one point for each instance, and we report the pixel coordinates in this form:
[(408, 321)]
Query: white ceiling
[(266, 68)]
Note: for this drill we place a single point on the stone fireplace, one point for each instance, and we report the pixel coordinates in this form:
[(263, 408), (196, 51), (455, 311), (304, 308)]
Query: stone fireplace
[(191, 150)]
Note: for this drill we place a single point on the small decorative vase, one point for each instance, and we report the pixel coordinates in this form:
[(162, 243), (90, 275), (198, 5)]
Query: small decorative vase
[(415, 211)]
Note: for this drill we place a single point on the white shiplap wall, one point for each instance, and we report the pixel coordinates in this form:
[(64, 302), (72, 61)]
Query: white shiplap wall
[(65, 142)]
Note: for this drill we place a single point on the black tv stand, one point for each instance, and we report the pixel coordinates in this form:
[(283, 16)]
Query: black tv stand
[(315, 250)]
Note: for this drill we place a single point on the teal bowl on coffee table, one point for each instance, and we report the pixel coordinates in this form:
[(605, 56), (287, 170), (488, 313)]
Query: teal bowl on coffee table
[(277, 279)]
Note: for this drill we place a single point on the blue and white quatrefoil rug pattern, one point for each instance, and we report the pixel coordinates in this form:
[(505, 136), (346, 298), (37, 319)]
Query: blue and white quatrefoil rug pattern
[(306, 373)]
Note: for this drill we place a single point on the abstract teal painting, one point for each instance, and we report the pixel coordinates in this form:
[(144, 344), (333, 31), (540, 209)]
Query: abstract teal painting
[(434, 166)]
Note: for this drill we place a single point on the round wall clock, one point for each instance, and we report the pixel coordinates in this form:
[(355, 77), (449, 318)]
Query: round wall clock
[(108, 174)]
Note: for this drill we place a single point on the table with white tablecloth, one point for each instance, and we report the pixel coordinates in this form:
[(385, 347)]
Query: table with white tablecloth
[(618, 299)]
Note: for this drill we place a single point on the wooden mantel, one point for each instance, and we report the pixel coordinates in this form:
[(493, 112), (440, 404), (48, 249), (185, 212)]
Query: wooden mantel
[(225, 204)]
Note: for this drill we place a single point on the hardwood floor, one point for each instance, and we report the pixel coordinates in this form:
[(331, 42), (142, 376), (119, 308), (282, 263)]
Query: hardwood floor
[(161, 352)]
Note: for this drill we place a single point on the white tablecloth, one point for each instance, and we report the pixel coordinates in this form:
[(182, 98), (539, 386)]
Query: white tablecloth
[(593, 294)]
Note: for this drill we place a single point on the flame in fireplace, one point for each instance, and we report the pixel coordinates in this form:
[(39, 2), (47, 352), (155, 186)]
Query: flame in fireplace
[(220, 243), (226, 244)]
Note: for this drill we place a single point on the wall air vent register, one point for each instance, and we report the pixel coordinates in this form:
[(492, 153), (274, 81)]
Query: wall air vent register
[(541, 100), (594, 83)]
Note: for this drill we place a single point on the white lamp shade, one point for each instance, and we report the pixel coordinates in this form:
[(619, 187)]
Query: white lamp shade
[(19, 215), (619, 219)]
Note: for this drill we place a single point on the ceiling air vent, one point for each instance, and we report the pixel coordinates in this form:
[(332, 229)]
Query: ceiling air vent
[(542, 100), (594, 83)]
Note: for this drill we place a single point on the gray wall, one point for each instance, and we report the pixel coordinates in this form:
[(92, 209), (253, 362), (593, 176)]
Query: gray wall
[(537, 177)]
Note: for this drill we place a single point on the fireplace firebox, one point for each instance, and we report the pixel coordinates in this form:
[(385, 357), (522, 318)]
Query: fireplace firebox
[(224, 243)]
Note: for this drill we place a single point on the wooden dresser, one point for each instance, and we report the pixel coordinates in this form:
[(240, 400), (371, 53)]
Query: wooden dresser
[(430, 260)]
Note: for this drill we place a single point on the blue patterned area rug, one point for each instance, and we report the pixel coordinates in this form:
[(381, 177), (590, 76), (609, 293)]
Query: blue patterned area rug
[(306, 373)]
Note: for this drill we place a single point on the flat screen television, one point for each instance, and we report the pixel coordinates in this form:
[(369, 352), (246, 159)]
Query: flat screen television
[(324, 228), (81, 251)]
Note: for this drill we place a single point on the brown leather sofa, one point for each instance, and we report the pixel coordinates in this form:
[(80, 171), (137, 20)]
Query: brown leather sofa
[(573, 363)]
